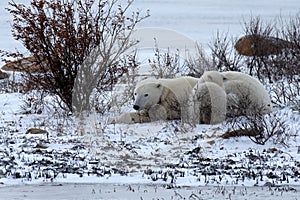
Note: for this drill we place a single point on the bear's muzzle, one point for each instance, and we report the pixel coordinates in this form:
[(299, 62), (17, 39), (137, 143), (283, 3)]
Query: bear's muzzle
[(136, 107)]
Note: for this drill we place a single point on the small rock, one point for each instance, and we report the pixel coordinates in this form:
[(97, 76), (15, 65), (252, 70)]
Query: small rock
[(26, 64), (39, 111), (269, 184), (272, 150), (41, 146), (36, 131), (3, 75)]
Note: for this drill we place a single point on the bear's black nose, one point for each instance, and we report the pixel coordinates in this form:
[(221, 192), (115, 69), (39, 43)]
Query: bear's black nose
[(136, 107)]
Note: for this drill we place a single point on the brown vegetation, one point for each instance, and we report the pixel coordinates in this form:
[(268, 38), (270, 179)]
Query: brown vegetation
[(73, 39), (239, 133)]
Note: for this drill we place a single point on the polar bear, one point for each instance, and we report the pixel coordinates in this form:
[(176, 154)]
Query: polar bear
[(212, 76), (245, 94), (160, 99), (207, 103)]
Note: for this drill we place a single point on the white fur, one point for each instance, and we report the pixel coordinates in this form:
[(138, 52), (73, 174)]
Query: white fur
[(170, 94), (159, 99), (242, 90), (207, 103), (248, 91), (212, 76)]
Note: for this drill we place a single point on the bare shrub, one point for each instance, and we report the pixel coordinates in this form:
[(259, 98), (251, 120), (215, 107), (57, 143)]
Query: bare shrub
[(200, 63), (240, 105), (166, 64), (245, 117), (34, 103), (12, 84), (61, 35), (286, 88), (286, 93), (257, 32), (224, 58), (118, 94), (260, 128)]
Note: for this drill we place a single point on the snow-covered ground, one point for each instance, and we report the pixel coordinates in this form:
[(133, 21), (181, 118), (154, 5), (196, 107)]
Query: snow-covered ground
[(144, 192), (163, 160)]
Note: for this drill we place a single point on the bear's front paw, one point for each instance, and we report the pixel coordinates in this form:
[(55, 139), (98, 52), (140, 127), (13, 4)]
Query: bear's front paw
[(111, 121), (124, 118), (130, 118)]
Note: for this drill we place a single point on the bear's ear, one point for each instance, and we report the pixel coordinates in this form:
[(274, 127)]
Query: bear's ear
[(158, 85), (224, 78)]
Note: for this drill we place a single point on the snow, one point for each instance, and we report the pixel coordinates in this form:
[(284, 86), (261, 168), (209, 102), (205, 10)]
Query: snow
[(201, 19), (148, 158), (144, 191)]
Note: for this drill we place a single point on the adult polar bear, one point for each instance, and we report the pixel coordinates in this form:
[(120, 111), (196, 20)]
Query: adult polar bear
[(245, 94), (160, 99)]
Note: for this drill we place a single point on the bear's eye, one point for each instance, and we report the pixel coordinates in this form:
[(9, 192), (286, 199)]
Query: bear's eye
[(146, 95), (134, 94)]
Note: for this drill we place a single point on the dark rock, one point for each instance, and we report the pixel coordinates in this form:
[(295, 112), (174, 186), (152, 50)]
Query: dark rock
[(3, 75), (258, 45), (35, 131), (26, 64)]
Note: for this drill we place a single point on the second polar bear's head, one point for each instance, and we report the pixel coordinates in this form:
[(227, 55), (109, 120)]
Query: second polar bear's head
[(147, 94)]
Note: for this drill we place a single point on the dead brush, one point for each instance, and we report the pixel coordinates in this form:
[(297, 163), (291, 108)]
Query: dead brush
[(260, 128), (166, 64), (224, 58), (239, 133), (200, 63), (66, 36)]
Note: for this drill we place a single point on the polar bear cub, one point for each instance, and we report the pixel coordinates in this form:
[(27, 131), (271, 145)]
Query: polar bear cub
[(207, 103), (245, 94), (212, 76)]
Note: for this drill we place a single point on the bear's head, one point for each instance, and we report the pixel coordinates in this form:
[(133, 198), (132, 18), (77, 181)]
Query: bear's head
[(212, 76), (147, 95)]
